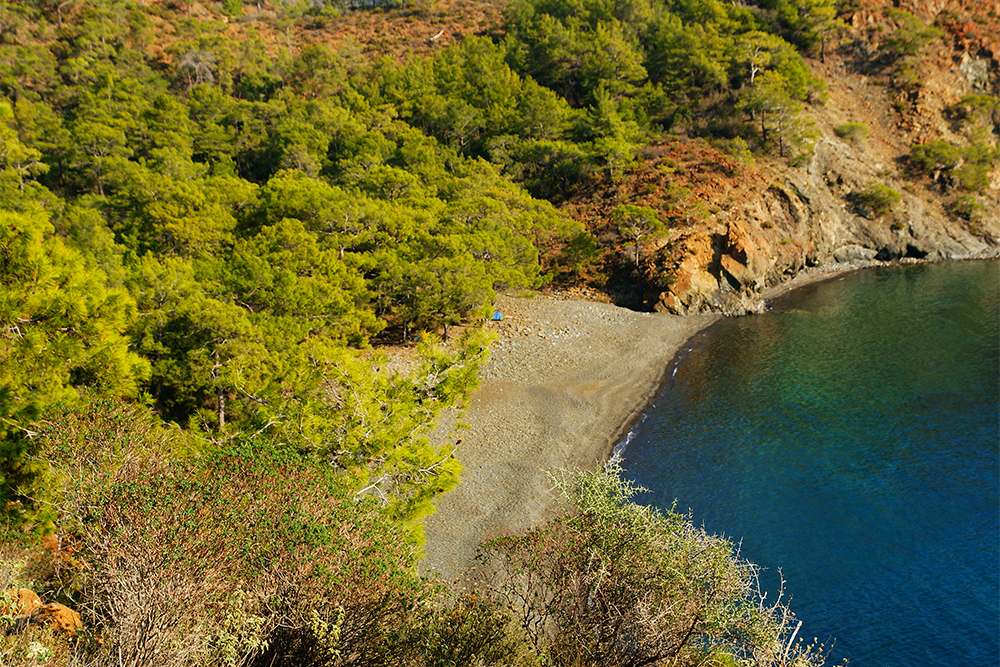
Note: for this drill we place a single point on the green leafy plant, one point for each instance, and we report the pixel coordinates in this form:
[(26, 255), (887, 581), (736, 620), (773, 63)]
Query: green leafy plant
[(875, 199), (855, 133)]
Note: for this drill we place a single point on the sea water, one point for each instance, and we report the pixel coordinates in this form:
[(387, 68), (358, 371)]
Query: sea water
[(849, 438)]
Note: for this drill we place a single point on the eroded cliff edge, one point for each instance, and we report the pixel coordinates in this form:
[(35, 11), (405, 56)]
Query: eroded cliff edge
[(807, 220)]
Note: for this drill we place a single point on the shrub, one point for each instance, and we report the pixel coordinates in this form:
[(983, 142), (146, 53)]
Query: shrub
[(616, 583), (910, 37), (935, 155), (232, 8), (855, 133), (973, 108), (251, 554), (469, 628), (965, 167), (967, 208), (875, 199)]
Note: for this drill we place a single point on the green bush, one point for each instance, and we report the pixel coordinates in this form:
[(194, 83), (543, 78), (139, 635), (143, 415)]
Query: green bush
[(852, 132), (875, 199), (935, 155), (963, 167), (615, 583), (910, 37), (973, 108), (967, 208)]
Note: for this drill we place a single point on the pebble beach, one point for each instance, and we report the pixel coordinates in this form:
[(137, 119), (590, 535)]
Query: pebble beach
[(564, 382)]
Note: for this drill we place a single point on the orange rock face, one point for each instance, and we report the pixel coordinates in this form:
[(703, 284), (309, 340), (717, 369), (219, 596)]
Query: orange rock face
[(27, 608), (25, 602), (60, 617)]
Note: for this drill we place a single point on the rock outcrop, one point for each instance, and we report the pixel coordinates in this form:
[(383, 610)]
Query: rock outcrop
[(808, 221), (27, 609)]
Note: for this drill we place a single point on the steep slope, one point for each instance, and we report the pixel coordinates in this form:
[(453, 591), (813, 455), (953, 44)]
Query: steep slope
[(739, 226)]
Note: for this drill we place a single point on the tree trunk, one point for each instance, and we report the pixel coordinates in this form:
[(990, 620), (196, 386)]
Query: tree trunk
[(222, 408), (781, 135)]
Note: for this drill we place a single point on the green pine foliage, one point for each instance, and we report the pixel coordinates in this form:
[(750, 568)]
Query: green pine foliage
[(233, 232), (205, 243), (658, 62), (637, 223), (62, 333)]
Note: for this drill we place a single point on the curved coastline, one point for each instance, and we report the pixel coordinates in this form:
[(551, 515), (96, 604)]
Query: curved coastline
[(566, 382)]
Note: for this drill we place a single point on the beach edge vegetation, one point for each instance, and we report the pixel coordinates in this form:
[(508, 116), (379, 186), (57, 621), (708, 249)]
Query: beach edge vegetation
[(304, 574)]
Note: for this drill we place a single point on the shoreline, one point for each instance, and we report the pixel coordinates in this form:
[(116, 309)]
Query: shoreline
[(566, 382)]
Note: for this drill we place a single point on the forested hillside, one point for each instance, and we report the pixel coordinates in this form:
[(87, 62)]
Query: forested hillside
[(246, 247), (222, 219)]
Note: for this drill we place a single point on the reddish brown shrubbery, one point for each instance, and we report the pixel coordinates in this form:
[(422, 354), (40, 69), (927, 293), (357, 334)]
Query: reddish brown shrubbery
[(257, 556), (249, 553)]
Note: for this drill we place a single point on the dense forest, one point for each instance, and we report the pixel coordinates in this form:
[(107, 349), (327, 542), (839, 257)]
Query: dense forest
[(215, 225)]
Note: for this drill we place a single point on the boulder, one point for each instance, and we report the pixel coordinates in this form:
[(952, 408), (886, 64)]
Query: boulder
[(27, 609), (24, 601), (59, 617), (853, 253)]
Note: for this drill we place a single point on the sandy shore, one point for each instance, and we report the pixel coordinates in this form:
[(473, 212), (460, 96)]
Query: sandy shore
[(563, 384)]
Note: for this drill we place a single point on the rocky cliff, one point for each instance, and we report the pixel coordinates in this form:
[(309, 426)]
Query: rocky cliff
[(807, 219)]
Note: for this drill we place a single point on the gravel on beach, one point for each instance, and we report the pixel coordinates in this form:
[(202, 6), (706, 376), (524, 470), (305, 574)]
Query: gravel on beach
[(564, 382)]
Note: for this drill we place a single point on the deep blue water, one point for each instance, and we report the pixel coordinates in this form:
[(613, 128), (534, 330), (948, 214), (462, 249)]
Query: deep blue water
[(851, 438)]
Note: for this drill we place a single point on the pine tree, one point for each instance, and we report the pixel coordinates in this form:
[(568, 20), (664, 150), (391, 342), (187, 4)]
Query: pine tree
[(62, 337)]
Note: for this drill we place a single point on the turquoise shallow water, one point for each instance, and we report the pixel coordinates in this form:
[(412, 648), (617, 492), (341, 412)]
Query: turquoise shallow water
[(851, 438)]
